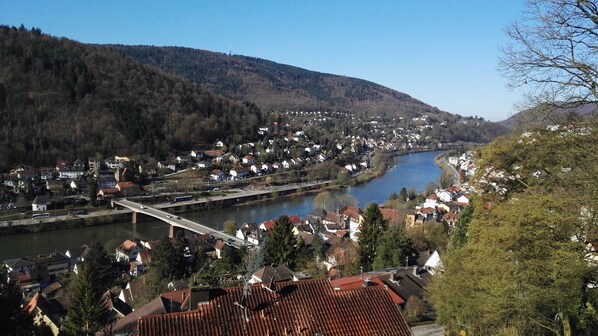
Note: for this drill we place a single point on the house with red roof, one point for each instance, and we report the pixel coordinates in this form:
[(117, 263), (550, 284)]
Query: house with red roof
[(45, 312), (309, 307), (128, 250)]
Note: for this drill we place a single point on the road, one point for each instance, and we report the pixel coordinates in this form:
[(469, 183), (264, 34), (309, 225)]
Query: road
[(180, 222), (238, 194)]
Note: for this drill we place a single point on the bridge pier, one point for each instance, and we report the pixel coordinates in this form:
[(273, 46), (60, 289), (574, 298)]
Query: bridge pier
[(173, 230), (138, 218)]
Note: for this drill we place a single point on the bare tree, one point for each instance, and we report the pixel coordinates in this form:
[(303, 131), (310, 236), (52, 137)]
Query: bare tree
[(553, 54)]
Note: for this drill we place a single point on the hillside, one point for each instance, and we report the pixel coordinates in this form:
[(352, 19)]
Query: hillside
[(60, 98), (278, 87), (544, 116)]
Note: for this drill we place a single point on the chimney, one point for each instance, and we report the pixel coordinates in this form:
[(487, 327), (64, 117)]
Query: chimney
[(393, 276), (367, 282), (415, 270)]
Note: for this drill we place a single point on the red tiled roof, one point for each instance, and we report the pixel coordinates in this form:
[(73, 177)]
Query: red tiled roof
[(219, 245), (294, 219), (357, 283), (125, 185), (352, 213), (297, 308), (390, 215), (269, 224), (332, 217), (127, 246)]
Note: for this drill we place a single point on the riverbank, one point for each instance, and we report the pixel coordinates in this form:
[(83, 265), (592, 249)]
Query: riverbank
[(238, 198), (102, 217), (447, 169), (411, 171)]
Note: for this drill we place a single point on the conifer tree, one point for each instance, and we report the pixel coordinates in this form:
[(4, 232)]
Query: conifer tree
[(281, 245), (162, 267), (180, 248), (13, 319), (394, 249), (87, 312), (101, 263), (371, 228)]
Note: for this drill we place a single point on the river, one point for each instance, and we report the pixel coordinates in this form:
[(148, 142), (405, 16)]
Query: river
[(411, 171)]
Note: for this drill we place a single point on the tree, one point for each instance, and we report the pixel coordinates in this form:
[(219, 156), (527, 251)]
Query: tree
[(230, 227), (181, 246), (281, 244), (394, 249), (553, 52), (162, 267), (101, 263), (371, 228), (324, 200), (415, 306), (459, 235), (93, 191), (403, 194), (518, 269), (256, 259), (87, 312), (13, 318)]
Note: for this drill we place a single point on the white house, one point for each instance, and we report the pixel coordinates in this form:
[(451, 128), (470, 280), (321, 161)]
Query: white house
[(238, 173), (196, 154), (248, 160), (463, 199), (183, 159), (217, 175), (434, 264), (40, 203), (66, 173), (444, 196), (127, 251), (204, 164)]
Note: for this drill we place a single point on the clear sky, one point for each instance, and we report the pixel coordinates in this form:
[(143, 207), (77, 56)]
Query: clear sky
[(443, 52)]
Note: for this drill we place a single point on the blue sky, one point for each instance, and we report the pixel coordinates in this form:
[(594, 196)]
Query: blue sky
[(444, 53)]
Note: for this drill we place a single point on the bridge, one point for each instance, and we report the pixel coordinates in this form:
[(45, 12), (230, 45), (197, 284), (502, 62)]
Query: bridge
[(176, 222)]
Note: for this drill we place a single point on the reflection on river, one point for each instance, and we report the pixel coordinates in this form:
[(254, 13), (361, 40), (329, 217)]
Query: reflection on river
[(413, 170)]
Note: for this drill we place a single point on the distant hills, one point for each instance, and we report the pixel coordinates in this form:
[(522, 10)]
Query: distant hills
[(544, 115), (277, 87), (64, 99)]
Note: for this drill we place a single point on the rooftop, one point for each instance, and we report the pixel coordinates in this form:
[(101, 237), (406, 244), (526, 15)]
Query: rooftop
[(294, 308)]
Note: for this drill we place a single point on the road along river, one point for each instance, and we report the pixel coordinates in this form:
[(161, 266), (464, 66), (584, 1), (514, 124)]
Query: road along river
[(411, 171)]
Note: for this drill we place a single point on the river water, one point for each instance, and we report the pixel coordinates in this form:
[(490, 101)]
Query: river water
[(411, 171)]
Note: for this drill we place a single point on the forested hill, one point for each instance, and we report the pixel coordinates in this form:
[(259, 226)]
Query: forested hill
[(60, 98), (278, 87), (542, 116)]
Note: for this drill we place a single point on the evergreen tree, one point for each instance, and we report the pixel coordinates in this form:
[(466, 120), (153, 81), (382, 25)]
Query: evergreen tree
[(181, 243), (100, 263), (162, 268), (281, 245), (317, 244), (200, 261), (87, 312), (92, 190), (371, 228), (459, 235), (13, 319), (394, 249)]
